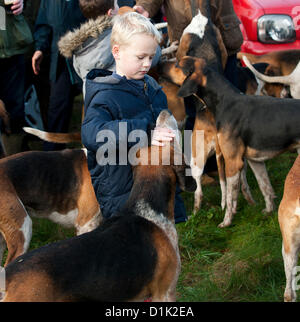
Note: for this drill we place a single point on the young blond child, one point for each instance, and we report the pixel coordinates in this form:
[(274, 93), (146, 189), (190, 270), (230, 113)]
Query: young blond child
[(128, 96)]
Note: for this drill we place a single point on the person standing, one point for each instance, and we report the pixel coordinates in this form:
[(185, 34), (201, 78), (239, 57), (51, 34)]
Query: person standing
[(54, 19), (15, 41)]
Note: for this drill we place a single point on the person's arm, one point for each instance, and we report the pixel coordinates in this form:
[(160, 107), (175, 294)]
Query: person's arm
[(148, 8), (98, 123), (42, 36)]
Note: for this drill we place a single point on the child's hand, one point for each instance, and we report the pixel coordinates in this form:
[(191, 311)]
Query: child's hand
[(160, 135)]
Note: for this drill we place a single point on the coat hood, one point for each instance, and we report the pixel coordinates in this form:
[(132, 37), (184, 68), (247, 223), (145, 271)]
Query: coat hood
[(73, 40)]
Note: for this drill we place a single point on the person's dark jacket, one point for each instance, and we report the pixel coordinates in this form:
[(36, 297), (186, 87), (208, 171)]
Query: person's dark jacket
[(54, 19), (110, 100)]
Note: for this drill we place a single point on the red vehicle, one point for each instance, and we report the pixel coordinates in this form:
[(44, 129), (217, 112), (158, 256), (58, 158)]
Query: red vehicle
[(269, 25)]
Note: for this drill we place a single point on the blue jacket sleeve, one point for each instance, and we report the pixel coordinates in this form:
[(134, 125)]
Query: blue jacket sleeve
[(43, 31), (99, 123)]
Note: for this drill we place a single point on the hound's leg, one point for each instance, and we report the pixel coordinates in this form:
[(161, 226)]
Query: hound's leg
[(16, 228), (222, 177), (232, 190), (199, 155), (261, 175), (245, 187), (289, 227), (290, 259), (2, 247), (233, 152), (198, 194)]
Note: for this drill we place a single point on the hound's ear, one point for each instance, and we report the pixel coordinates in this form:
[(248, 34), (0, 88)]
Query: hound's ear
[(184, 178), (190, 85)]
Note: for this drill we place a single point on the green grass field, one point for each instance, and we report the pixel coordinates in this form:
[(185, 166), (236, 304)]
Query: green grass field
[(242, 262)]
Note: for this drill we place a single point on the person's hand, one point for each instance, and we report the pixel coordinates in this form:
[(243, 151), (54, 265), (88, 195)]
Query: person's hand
[(17, 7), (161, 134), (36, 61), (171, 49), (141, 10)]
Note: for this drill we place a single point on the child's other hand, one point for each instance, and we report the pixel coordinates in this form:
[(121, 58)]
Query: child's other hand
[(160, 135)]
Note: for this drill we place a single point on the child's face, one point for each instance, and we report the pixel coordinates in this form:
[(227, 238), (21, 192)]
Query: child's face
[(134, 60)]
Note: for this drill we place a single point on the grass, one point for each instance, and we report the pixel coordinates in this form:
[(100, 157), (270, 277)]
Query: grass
[(241, 263)]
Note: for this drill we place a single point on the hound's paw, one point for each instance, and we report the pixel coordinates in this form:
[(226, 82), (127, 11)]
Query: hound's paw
[(224, 224)]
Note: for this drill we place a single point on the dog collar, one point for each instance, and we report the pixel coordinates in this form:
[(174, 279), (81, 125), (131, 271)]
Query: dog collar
[(201, 100)]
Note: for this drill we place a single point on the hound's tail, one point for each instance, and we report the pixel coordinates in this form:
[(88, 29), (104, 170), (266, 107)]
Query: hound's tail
[(54, 137), (254, 59)]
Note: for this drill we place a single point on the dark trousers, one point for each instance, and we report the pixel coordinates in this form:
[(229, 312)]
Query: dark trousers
[(12, 87), (60, 107)]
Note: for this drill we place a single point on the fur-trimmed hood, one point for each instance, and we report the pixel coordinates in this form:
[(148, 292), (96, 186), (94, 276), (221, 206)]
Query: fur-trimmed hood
[(89, 46), (73, 40)]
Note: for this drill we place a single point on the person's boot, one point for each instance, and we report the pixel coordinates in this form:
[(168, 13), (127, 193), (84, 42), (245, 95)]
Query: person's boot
[(12, 143)]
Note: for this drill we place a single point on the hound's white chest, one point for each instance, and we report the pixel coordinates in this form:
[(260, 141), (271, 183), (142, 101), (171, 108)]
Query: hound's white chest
[(66, 220), (197, 25), (160, 220)]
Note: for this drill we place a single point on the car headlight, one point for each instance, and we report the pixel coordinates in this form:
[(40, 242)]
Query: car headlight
[(276, 28)]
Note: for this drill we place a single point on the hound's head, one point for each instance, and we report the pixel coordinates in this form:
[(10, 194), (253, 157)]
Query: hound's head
[(189, 73), (164, 165), (156, 163)]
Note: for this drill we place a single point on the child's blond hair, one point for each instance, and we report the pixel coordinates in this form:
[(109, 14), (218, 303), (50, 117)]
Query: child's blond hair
[(131, 24)]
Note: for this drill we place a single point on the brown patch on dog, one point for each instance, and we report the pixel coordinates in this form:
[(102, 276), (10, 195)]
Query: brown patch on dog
[(272, 89), (184, 46), (288, 221), (124, 10), (284, 60), (175, 103), (205, 122), (12, 221), (233, 150), (33, 286), (166, 271), (88, 206)]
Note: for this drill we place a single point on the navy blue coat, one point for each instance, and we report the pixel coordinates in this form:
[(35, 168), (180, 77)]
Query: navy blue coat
[(109, 101), (55, 18)]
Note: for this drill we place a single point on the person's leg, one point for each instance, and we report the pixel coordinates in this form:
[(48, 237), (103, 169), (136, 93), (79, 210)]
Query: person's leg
[(12, 78), (231, 70), (60, 107)]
